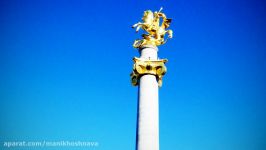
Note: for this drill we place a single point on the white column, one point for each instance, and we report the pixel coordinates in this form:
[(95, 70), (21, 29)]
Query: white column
[(148, 113)]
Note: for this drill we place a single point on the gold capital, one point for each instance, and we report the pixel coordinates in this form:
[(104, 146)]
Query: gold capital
[(143, 66)]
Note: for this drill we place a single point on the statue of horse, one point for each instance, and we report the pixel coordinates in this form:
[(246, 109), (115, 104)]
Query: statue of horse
[(151, 24)]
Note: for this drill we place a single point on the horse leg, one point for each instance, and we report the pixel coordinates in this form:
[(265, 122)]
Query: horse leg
[(137, 24), (134, 26), (170, 33), (137, 29)]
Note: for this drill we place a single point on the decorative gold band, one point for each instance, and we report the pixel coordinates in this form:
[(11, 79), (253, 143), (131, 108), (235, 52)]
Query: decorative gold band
[(143, 66)]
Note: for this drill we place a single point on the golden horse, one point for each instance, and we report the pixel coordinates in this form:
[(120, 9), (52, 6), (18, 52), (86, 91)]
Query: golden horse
[(155, 32)]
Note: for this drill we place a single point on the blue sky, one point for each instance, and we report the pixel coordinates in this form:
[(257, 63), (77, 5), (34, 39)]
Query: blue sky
[(65, 65)]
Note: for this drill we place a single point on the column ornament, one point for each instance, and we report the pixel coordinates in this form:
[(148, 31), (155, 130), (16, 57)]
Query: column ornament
[(144, 66)]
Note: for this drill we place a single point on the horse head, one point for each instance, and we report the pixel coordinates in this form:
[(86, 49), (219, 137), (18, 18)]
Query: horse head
[(148, 17)]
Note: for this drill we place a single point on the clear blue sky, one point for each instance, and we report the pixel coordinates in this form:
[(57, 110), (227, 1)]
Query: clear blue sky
[(65, 65)]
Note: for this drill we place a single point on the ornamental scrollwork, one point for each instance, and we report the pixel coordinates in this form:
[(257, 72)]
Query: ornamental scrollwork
[(143, 66)]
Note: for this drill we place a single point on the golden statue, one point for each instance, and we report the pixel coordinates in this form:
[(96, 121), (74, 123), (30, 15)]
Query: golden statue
[(155, 32)]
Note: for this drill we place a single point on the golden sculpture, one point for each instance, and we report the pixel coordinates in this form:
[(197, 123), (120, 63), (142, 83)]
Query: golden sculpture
[(155, 33), (142, 66)]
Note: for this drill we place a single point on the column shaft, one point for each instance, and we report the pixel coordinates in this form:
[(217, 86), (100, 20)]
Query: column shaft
[(148, 108)]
